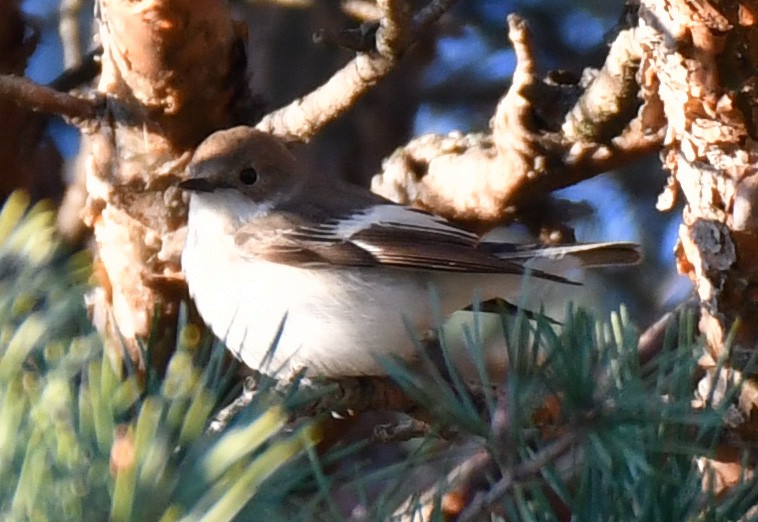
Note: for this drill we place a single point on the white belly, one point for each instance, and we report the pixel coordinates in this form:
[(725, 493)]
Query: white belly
[(334, 321), (330, 322)]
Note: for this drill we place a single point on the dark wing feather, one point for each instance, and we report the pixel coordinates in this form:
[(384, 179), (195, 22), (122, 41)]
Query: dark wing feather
[(283, 238), (611, 253), (397, 245), (385, 234)]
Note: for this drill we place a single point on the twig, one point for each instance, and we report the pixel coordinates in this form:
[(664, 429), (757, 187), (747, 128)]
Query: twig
[(422, 506), (401, 431), (39, 98), (651, 341), (584, 160), (482, 503), (610, 100), (361, 40), (319, 396), (83, 73), (598, 134), (221, 420), (301, 119), (394, 33), (430, 14), (363, 10), (354, 394), (511, 123)]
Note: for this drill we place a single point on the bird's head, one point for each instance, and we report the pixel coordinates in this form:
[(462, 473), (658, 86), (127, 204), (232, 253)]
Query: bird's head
[(256, 164)]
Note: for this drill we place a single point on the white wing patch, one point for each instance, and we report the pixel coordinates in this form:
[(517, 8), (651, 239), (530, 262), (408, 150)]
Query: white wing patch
[(368, 247), (398, 217)]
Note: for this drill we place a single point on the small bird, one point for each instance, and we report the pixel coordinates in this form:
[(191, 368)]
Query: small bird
[(332, 274)]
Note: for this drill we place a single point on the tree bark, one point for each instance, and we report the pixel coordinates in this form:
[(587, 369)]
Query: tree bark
[(700, 61), (172, 72)]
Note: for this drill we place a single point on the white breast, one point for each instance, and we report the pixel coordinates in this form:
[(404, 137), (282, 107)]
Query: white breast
[(337, 320), (333, 323)]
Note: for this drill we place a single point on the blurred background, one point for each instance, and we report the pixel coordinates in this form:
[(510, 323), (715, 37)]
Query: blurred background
[(450, 81)]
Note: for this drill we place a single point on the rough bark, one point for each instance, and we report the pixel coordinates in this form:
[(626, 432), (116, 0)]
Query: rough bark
[(700, 60), (544, 136), (172, 72)]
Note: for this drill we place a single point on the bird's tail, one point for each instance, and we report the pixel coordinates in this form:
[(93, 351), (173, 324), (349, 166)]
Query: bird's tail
[(609, 253)]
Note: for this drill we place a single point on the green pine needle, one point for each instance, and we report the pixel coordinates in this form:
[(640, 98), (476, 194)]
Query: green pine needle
[(81, 439)]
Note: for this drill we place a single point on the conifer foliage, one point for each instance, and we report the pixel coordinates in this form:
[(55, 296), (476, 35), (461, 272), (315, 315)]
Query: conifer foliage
[(82, 439), (580, 426)]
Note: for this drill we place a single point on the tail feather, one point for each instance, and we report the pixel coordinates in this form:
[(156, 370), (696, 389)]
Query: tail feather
[(609, 253)]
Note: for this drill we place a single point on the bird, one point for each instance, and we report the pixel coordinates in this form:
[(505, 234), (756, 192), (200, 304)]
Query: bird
[(297, 273)]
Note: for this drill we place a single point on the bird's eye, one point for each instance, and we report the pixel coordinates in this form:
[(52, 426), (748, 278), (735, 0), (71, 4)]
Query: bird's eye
[(248, 176)]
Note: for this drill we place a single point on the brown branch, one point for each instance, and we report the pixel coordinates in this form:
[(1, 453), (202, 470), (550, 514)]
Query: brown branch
[(610, 100), (534, 147), (514, 109), (651, 341), (422, 506), (402, 431), (39, 98), (363, 10), (393, 36), (482, 503), (303, 118), (585, 160), (357, 394)]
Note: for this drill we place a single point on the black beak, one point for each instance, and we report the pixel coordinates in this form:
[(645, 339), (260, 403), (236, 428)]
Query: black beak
[(197, 185)]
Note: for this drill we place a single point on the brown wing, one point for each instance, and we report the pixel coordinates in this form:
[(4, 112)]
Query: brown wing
[(281, 238), (384, 234)]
